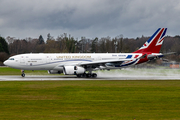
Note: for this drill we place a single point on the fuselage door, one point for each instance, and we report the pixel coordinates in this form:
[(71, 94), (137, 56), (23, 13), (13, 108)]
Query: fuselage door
[(22, 60), (48, 59)]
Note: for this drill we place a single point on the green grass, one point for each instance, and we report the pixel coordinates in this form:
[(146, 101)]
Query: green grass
[(94, 100), (12, 71)]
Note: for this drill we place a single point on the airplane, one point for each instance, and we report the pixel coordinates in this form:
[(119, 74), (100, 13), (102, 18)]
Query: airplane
[(82, 64)]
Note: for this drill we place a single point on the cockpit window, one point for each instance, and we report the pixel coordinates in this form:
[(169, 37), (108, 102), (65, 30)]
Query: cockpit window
[(11, 59)]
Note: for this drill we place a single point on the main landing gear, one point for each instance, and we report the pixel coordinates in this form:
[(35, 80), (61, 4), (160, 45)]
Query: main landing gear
[(22, 73), (88, 75)]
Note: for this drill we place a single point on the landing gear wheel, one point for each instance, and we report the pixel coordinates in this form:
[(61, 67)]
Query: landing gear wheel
[(88, 75), (23, 75), (78, 75), (94, 75)]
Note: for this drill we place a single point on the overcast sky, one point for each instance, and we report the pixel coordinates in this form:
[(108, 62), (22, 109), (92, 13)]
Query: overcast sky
[(89, 18)]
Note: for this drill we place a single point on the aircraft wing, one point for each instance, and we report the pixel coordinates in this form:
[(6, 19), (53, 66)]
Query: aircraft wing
[(99, 62)]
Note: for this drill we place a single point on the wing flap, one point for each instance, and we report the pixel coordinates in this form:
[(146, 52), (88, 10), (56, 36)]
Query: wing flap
[(103, 62)]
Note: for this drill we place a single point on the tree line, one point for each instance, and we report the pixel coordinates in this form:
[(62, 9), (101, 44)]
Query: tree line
[(67, 44)]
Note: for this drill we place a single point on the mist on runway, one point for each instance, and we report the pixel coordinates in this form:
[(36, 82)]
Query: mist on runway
[(131, 72)]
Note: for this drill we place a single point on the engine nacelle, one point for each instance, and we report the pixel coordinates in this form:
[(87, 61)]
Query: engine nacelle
[(152, 57), (54, 72), (73, 70)]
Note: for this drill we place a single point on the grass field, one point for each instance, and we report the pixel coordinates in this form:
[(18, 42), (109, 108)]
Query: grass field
[(11, 71), (90, 100)]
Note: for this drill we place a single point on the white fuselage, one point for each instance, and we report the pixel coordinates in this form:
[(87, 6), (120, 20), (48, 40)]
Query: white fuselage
[(44, 61)]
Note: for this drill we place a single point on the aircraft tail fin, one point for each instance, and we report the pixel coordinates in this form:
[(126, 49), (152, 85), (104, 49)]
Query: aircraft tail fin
[(154, 43)]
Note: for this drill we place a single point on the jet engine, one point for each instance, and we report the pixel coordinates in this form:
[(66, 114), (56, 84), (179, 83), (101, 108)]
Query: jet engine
[(73, 70), (152, 57)]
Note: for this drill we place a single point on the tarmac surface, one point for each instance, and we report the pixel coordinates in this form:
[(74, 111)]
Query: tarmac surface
[(126, 74), (71, 77)]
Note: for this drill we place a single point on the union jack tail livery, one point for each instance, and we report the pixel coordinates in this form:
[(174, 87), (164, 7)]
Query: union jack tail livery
[(153, 45)]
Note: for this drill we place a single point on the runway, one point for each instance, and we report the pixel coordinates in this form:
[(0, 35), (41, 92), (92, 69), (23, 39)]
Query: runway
[(63, 77), (125, 74)]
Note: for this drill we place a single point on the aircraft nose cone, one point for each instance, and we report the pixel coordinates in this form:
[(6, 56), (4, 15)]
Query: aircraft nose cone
[(5, 62)]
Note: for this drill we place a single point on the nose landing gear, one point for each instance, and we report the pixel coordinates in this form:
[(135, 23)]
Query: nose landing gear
[(22, 73)]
